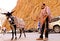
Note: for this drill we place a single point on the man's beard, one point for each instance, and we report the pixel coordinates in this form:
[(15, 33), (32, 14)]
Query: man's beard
[(42, 8)]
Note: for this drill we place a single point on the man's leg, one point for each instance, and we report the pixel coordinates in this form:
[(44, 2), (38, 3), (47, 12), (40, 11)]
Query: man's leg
[(46, 33), (42, 31)]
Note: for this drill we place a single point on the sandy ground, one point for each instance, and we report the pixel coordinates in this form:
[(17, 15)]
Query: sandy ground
[(30, 37)]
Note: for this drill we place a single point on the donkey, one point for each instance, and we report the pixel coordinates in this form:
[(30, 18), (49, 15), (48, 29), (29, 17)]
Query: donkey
[(14, 24)]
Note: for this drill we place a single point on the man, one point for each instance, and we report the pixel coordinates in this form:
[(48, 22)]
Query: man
[(45, 16)]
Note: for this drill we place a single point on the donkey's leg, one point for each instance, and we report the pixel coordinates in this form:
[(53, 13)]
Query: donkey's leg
[(20, 33), (24, 32), (15, 31), (12, 32)]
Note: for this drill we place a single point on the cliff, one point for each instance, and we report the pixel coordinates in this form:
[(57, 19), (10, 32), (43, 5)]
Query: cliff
[(30, 9)]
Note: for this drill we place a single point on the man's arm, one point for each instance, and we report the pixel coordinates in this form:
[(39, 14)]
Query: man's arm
[(49, 13)]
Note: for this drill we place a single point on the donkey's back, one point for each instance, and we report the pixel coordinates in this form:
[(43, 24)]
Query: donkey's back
[(19, 22)]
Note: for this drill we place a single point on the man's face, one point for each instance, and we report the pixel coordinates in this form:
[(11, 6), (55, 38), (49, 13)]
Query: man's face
[(43, 6)]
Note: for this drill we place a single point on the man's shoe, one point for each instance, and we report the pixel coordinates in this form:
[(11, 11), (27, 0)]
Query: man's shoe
[(39, 39), (45, 39)]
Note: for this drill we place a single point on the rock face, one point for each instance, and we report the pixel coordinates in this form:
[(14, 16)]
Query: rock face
[(30, 9)]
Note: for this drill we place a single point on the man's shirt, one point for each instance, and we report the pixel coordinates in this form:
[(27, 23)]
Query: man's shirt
[(44, 13)]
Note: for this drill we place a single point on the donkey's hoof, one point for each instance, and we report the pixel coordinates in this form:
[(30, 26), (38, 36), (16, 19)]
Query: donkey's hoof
[(19, 37), (15, 38), (11, 38)]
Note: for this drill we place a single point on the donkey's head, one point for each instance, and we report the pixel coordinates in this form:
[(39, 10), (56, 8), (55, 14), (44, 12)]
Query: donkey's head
[(8, 14)]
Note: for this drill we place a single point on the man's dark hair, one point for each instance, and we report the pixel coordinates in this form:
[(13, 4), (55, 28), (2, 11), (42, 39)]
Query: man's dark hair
[(44, 4)]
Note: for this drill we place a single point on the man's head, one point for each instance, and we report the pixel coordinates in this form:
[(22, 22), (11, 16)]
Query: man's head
[(43, 6)]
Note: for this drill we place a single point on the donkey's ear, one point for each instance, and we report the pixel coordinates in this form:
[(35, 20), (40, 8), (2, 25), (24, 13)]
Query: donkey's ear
[(12, 11), (4, 13)]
